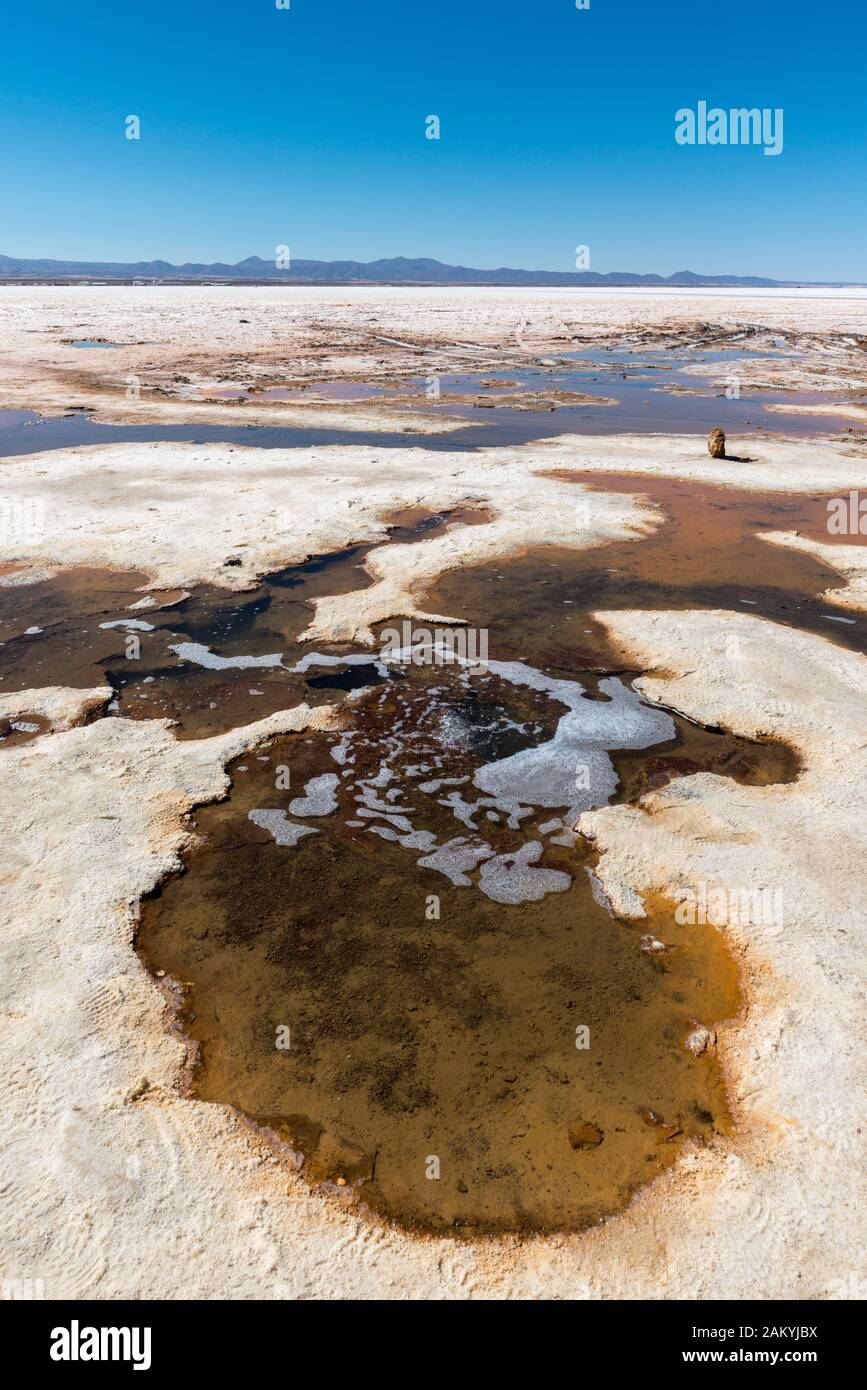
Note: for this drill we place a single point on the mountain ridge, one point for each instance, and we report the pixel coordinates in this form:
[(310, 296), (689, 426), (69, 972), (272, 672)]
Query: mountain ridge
[(387, 270)]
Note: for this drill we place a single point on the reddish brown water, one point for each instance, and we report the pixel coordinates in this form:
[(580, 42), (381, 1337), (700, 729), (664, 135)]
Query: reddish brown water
[(431, 1071)]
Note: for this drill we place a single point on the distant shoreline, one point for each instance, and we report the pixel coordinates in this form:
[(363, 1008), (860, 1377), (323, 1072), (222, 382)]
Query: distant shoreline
[(238, 283)]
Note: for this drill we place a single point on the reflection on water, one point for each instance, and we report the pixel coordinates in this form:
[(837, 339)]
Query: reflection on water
[(653, 390)]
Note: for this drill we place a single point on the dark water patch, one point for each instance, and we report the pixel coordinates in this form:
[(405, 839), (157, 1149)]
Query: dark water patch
[(334, 564), (347, 678), (35, 434), (409, 524), (510, 428)]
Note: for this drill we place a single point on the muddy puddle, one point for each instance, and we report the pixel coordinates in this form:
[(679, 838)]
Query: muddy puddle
[(390, 953)]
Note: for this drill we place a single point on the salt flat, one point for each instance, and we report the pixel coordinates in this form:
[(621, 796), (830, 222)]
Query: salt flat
[(178, 344), (121, 1186)]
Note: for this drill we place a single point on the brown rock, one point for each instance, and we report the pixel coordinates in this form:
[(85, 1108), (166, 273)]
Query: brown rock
[(583, 1135), (699, 1040), (716, 443)]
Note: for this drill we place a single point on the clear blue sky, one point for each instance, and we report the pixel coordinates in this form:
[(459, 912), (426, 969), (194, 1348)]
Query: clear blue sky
[(306, 126)]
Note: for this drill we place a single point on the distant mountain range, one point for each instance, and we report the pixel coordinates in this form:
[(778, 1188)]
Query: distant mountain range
[(394, 270)]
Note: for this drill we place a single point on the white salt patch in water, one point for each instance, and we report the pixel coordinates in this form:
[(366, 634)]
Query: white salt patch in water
[(385, 831), (555, 773), (544, 776), (513, 812), (400, 821), (319, 797), (325, 659), (201, 655), (31, 575), (438, 782), (455, 858), (31, 631), (340, 750), (835, 618), (551, 825), (284, 831), (418, 839), (509, 878), (370, 799), (22, 727), (463, 810), (134, 623), (413, 839)]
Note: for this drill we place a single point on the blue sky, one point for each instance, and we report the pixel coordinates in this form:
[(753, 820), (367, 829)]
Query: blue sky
[(306, 127)]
